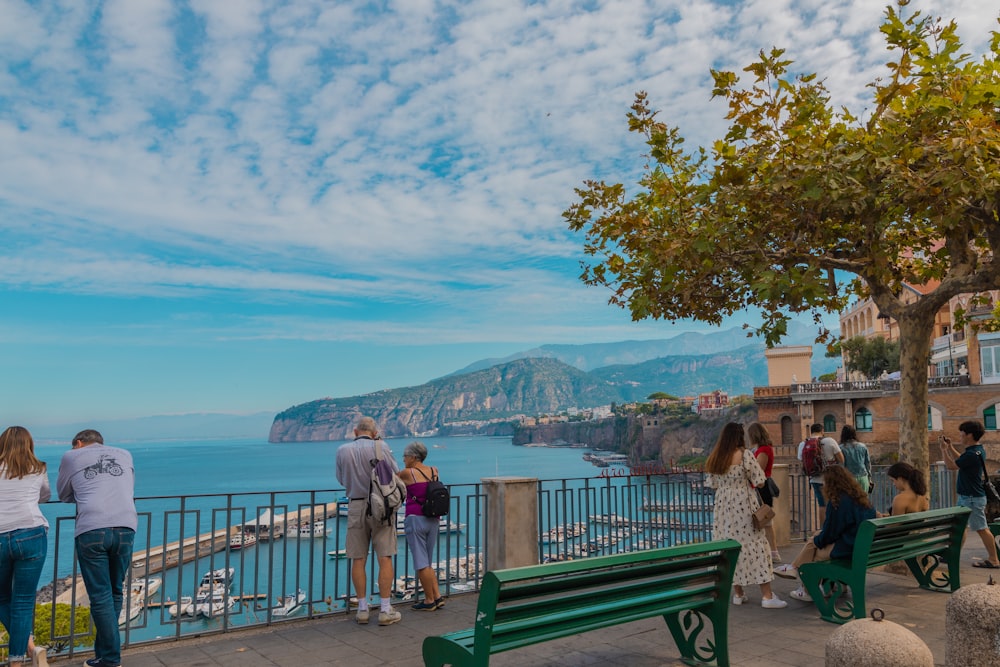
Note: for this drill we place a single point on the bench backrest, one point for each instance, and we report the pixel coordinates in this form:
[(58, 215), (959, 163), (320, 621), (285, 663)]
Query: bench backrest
[(518, 605), (893, 538)]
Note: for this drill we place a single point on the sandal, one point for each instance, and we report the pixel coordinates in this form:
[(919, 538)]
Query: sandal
[(986, 565)]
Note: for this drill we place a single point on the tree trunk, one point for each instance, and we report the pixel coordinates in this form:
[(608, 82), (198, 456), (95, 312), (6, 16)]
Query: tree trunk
[(915, 329)]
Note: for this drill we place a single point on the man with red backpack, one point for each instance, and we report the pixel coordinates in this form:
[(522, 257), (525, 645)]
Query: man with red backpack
[(816, 453)]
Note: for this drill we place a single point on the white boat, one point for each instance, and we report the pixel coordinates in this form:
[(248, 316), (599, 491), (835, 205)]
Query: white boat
[(342, 505), (289, 604), (242, 540), (140, 590), (307, 531), (213, 603), (337, 554), (223, 576), (183, 607)]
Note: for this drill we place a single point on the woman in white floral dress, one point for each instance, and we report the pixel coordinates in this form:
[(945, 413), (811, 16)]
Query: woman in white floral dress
[(733, 472)]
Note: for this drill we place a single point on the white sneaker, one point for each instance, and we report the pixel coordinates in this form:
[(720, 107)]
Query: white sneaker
[(740, 599), (389, 617), (361, 616), (773, 603), (787, 571), (801, 594), (39, 658)]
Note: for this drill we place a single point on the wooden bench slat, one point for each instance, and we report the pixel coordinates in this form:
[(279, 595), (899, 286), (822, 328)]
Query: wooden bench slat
[(580, 608)]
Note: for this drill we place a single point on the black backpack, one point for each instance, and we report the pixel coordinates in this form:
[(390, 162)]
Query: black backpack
[(437, 498)]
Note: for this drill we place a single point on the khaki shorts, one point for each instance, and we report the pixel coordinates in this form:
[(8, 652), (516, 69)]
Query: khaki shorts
[(362, 531)]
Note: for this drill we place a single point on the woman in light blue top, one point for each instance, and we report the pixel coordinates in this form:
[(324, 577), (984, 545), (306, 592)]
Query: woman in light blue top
[(856, 457), (23, 543)]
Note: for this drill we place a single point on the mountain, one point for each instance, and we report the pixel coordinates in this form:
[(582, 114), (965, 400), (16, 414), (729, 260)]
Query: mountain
[(598, 355), (736, 372), (523, 386)]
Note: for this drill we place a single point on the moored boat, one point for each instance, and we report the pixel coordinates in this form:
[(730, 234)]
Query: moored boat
[(289, 604)]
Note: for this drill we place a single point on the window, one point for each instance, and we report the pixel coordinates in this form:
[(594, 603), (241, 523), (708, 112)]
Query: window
[(829, 424), (863, 419), (934, 420), (989, 356), (990, 418)]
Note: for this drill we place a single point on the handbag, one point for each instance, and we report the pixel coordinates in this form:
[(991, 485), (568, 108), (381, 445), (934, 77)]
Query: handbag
[(763, 515), (991, 491), (772, 487)]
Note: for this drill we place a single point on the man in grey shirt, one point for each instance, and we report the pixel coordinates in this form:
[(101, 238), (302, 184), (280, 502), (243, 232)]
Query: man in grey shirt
[(101, 481), (354, 471)]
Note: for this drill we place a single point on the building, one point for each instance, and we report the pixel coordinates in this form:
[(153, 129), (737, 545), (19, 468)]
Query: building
[(964, 383)]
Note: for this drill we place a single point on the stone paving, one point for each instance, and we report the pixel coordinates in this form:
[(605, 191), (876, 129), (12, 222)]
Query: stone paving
[(757, 637)]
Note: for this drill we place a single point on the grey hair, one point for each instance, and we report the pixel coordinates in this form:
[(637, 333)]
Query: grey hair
[(367, 425), (417, 450)]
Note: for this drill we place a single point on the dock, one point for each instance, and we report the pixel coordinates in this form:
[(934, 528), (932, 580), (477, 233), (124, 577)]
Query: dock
[(158, 559)]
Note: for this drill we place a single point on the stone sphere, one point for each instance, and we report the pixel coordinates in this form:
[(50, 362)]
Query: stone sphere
[(876, 644), (972, 627)]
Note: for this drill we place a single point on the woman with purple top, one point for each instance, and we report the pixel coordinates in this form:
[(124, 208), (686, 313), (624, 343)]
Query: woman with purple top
[(421, 531)]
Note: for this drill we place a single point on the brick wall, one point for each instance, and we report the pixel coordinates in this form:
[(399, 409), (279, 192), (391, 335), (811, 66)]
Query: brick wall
[(956, 405)]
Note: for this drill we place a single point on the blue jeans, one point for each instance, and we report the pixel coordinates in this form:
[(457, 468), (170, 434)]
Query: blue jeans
[(104, 555), (22, 556)]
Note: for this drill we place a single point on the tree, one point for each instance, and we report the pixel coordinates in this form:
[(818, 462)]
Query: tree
[(871, 356), (802, 206)]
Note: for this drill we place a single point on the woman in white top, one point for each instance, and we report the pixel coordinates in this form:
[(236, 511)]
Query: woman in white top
[(23, 541)]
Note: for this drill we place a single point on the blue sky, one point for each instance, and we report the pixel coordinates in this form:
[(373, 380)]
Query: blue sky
[(211, 206)]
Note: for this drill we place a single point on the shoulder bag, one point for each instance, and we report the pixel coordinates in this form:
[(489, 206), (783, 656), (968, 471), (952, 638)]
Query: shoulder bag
[(991, 491)]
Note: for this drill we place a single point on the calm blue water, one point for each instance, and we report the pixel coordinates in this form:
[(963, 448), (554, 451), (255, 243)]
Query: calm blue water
[(244, 465)]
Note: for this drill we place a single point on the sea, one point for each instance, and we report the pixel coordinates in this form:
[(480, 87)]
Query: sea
[(248, 474)]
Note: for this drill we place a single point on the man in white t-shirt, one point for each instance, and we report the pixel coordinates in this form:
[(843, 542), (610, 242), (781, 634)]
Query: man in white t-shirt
[(831, 456)]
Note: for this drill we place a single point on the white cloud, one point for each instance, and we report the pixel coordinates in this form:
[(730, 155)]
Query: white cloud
[(267, 146)]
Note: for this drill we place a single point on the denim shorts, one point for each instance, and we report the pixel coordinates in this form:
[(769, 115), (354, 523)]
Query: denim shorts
[(977, 520)]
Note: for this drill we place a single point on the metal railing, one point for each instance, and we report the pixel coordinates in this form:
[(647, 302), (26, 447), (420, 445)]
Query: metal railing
[(181, 539), (293, 568)]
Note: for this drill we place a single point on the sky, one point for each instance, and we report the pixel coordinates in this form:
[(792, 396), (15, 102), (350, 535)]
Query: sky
[(239, 206)]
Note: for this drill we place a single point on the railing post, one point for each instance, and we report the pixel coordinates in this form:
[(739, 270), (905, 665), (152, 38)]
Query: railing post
[(782, 505), (511, 522)]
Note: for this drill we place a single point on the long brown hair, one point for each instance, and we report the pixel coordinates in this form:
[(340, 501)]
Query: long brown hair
[(729, 441), (838, 480), (17, 453), (758, 435)]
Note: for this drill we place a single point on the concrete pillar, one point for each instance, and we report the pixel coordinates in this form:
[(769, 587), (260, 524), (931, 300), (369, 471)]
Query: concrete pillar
[(511, 522), (782, 521), (876, 643), (972, 627)]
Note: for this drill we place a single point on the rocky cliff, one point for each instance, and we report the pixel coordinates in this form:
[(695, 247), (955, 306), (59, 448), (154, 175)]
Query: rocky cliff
[(524, 386)]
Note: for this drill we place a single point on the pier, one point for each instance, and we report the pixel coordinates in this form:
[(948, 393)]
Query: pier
[(157, 559)]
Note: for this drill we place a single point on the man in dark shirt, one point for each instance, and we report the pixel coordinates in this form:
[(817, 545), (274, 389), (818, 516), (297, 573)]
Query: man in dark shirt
[(970, 485)]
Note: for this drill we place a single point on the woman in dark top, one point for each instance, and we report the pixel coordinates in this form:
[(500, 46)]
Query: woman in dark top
[(847, 506), (421, 531)]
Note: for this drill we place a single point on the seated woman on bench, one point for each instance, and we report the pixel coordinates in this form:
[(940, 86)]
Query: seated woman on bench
[(847, 506)]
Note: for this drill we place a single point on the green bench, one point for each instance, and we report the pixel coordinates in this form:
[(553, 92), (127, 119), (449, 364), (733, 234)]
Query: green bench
[(687, 585), (929, 542)]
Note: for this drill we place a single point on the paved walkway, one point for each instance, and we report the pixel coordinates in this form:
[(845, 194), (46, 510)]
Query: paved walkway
[(757, 637)]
